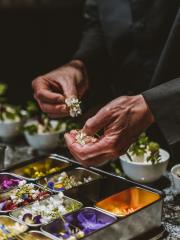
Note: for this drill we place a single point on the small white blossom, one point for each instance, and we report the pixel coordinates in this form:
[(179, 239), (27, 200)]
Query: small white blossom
[(74, 106)]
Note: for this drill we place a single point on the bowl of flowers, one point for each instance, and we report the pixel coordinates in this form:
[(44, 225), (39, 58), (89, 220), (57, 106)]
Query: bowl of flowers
[(145, 161), (44, 133), (11, 117)]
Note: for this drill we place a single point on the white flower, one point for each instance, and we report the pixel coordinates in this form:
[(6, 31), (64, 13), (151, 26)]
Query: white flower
[(21, 183), (74, 106), (60, 194)]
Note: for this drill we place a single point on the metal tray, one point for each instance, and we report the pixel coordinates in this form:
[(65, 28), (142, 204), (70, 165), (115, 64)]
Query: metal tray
[(8, 176), (79, 174), (10, 222), (36, 235), (57, 226), (144, 222), (26, 170), (5, 196), (16, 213)]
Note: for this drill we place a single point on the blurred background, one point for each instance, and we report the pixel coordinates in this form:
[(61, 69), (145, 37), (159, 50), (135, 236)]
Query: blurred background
[(36, 37)]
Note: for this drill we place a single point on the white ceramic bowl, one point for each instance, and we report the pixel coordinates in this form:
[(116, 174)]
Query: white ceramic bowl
[(44, 141), (176, 179), (145, 172), (9, 129)]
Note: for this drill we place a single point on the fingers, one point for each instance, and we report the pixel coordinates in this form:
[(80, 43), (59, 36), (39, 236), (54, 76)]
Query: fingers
[(87, 151), (69, 88), (49, 97), (43, 91), (80, 153), (54, 111), (97, 123)]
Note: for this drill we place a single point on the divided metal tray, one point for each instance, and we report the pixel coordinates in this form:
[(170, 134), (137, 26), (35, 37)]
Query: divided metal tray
[(145, 221)]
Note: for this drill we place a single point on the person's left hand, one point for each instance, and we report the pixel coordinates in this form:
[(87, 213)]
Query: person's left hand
[(122, 120)]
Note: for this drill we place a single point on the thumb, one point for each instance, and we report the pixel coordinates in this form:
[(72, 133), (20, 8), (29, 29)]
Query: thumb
[(96, 123), (69, 88)]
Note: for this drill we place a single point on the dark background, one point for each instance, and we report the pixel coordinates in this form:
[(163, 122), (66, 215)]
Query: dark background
[(34, 39)]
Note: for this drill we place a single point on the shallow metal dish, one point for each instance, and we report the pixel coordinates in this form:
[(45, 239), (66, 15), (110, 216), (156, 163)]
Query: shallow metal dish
[(34, 235), (16, 213), (127, 201), (57, 226), (45, 164), (5, 196), (8, 176), (10, 223), (78, 173)]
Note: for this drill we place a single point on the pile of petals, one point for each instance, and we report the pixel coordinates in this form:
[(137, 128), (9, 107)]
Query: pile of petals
[(78, 225), (82, 138), (9, 232), (70, 232), (7, 183), (74, 107), (46, 211), (88, 221), (35, 172), (65, 182), (23, 195)]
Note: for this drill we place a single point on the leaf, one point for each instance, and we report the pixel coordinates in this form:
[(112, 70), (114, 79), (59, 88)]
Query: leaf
[(3, 88)]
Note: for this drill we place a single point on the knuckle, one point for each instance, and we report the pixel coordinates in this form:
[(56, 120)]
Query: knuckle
[(39, 93), (36, 80)]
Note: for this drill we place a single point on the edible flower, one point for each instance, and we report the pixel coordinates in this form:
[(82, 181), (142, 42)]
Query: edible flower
[(74, 107)]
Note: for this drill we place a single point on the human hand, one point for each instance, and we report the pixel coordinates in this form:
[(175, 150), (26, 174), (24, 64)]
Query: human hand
[(122, 121), (66, 82)]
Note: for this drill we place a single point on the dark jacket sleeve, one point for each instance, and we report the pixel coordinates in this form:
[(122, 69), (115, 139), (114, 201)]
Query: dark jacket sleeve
[(92, 49), (164, 102)]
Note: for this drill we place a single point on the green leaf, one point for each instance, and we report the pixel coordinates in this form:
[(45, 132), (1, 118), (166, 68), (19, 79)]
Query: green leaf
[(3, 88), (31, 129)]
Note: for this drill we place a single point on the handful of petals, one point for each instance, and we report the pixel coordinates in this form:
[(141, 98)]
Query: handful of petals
[(82, 138)]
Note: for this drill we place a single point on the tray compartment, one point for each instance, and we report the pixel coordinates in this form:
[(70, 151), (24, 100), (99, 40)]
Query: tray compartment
[(86, 213), (40, 168), (128, 201), (67, 202), (79, 174), (8, 176), (12, 226), (36, 235), (6, 196)]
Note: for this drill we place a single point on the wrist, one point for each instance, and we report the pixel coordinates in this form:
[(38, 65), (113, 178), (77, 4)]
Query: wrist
[(147, 111), (79, 65)]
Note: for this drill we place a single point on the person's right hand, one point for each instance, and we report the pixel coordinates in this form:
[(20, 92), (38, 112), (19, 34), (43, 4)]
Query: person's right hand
[(51, 90)]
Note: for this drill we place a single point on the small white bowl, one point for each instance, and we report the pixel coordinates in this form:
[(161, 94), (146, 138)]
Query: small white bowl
[(44, 141), (176, 179), (9, 129), (145, 172)]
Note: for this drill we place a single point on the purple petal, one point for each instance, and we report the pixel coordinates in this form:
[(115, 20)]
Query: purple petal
[(50, 185), (89, 221), (37, 219), (2, 205)]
